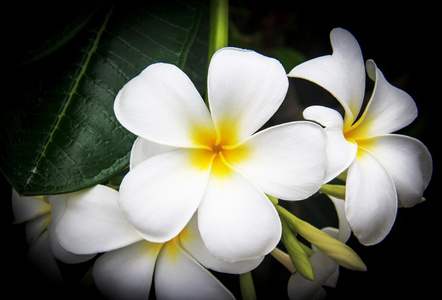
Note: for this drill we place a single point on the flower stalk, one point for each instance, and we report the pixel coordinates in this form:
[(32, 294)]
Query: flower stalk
[(284, 259), (334, 190), (247, 286), (219, 25)]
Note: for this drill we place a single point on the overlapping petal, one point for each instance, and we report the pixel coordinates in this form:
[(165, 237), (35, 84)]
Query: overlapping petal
[(286, 161), (36, 226), (340, 152), (93, 222), (344, 232), (162, 105), (127, 273), (61, 253), (160, 195), (41, 257), (143, 149), (192, 243), (179, 276), (236, 220), (388, 110), (407, 161), (245, 89), (342, 73), (371, 199), (27, 208), (58, 207)]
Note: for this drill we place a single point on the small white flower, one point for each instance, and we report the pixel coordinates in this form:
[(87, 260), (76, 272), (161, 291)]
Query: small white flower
[(216, 165), (39, 213), (95, 223), (383, 168)]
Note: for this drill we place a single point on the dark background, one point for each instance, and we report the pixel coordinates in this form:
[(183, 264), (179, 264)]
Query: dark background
[(404, 42)]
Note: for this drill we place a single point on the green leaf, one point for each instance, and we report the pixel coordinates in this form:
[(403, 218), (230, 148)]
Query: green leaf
[(58, 132)]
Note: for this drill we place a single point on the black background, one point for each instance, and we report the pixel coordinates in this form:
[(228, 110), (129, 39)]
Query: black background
[(404, 42)]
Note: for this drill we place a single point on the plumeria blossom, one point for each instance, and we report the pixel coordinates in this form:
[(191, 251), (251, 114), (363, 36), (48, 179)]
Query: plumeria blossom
[(95, 223), (213, 162), (39, 214), (326, 269), (383, 168)]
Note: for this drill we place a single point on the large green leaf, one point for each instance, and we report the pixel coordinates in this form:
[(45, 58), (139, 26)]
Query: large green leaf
[(60, 134)]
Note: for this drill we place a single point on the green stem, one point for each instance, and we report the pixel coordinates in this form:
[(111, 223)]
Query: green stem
[(284, 259), (219, 25), (247, 286), (334, 190), (219, 30)]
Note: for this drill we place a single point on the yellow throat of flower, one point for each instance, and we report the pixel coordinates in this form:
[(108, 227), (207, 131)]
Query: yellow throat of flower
[(218, 150)]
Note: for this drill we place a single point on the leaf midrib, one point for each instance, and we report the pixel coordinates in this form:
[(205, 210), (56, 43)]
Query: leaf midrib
[(71, 94)]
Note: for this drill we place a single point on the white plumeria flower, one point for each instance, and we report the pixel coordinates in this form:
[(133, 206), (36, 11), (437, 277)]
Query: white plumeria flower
[(217, 165), (39, 213), (95, 223), (382, 167), (326, 269)]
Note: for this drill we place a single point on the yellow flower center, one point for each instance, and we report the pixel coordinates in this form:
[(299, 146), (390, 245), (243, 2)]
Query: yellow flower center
[(218, 151), (358, 135)]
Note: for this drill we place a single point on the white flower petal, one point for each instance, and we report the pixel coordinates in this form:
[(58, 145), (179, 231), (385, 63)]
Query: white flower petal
[(344, 227), (93, 222), (143, 149), (408, 162), (333, 279), (340, 152), (27, 208), (371, 199), (342, 73), (179, 276), (286, 161), (245, 89), (62, 254), (162, 105), (58, 207), (192, 243), (36, 226), (300, 288), (42, 259), (236, 220), (127, 273), (160, 195), (388, 110)]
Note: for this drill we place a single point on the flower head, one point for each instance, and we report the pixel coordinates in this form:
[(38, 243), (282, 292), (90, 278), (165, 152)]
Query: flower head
[(95, 223), (383, 168), (39, 213), (213, 162)]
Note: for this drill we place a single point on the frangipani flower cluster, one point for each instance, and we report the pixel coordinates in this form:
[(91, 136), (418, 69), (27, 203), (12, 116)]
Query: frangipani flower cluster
[(203, 186)]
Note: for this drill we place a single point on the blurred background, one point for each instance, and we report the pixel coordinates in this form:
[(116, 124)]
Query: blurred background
[(403, 40)]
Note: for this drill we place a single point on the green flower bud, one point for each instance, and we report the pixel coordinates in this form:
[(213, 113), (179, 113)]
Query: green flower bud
[(335, 249), (297, 255)]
